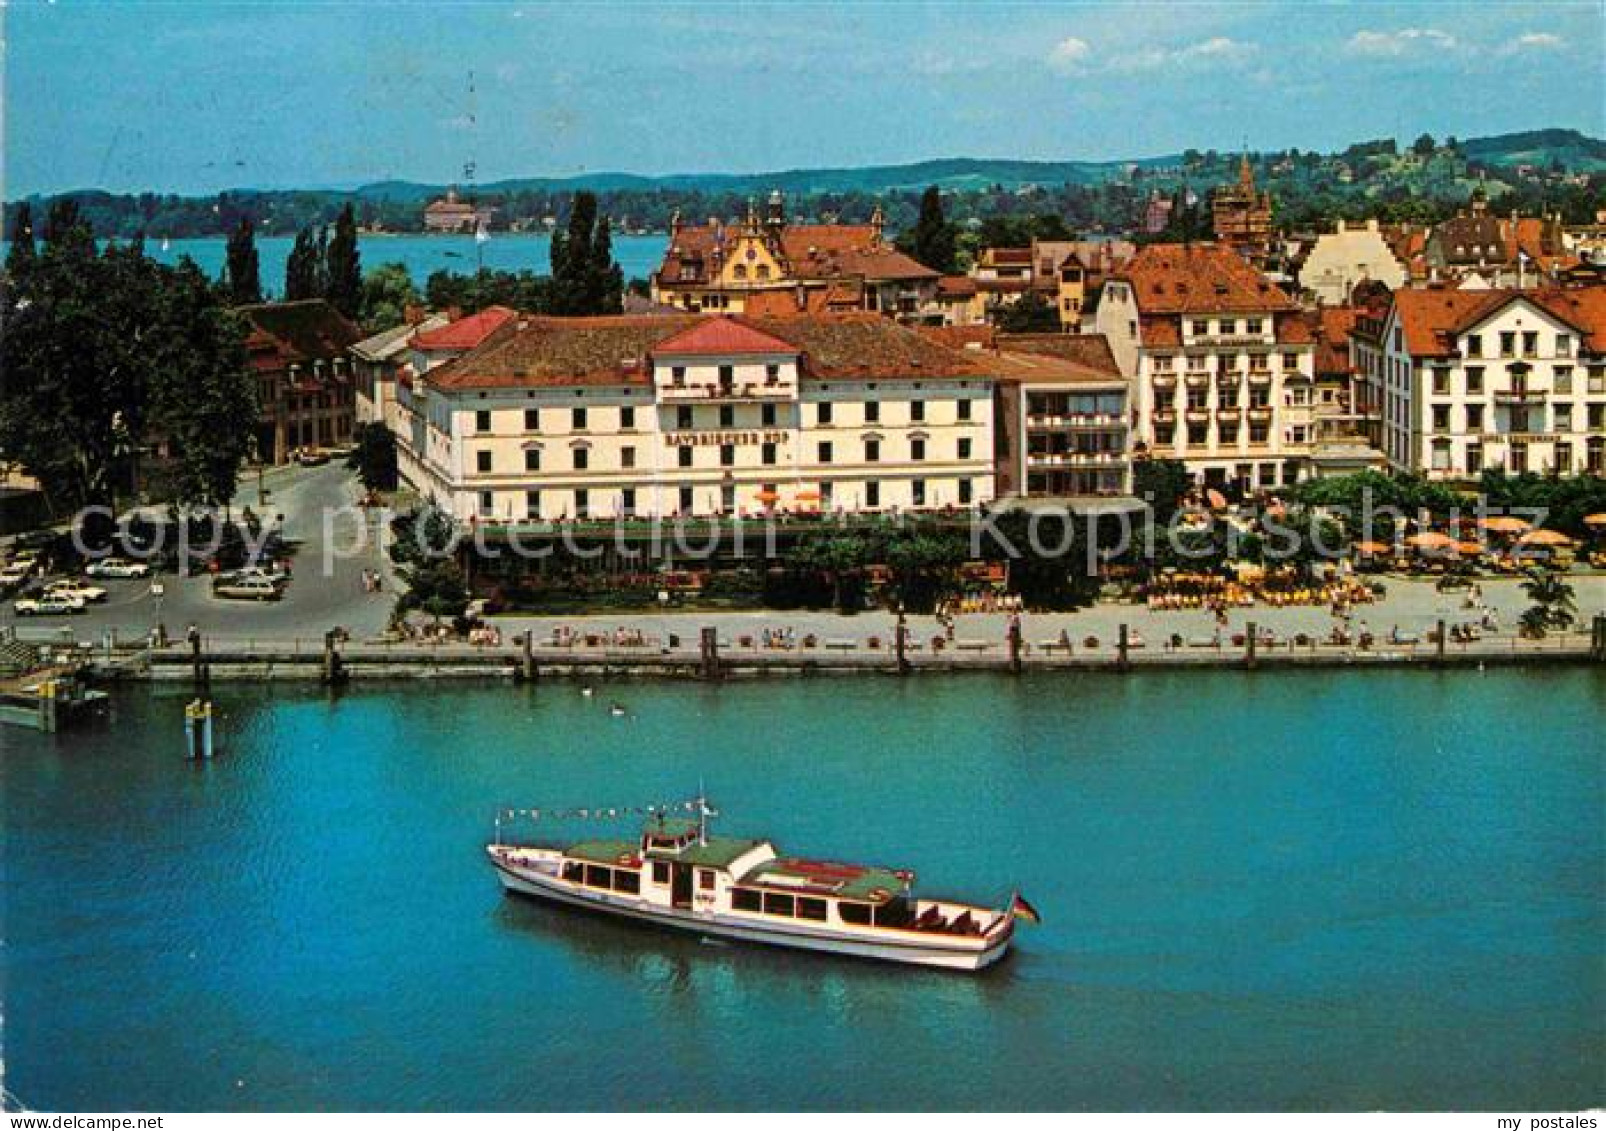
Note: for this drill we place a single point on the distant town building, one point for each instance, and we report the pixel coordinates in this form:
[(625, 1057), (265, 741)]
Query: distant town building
[(299, 352), (1464, 380), (1241, 215), (1157, 213), (723, 267), (1220, 364), (379, 362), (1517, 251), (454, 215), (1340, 259), (1067, 274), (564, 418), (1062, 429)]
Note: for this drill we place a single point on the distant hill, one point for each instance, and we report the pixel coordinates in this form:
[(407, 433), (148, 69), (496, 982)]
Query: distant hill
[(1576, 151)]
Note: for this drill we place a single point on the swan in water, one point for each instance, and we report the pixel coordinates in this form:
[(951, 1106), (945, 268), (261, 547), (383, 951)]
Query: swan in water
[(617, 710), (588, 692)]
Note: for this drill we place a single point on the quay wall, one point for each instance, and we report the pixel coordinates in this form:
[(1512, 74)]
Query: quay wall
[(303, 660)]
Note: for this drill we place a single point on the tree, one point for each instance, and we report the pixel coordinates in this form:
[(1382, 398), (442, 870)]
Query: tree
[(373, 456), (1163, 484), (106, 352), (343, 266), (1554, 605), (23, 252), (301, 269), (1424, 146), (1029, 314), (932, 242), (387, 292), (585, 280), (243, 276)]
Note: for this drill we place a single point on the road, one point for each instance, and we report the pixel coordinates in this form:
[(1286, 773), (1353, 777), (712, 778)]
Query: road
[(326, 590)]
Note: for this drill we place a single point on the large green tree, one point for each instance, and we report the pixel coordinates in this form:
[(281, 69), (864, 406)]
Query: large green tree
[(105, 353), (20, 256), (343, 266), (301, 269), (243, 272), (585, 279), (387, 292), (932, 241)]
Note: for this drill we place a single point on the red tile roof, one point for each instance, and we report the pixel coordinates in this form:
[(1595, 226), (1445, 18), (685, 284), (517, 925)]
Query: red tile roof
[(1199, 279), (1432, 319), (721, 337), (1331, 326), (280, 334), (465, 333), (808, 251), (617, 350)]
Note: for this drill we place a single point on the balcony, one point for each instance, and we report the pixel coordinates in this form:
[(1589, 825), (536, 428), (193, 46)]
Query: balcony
[(1229, 412), (1164, 416), (718, 394), (1519, 395), (1198, 380), (1044, 460), (1165, 380), (1198, 416), (1260, 376), (1260, 415), (1044, 421)]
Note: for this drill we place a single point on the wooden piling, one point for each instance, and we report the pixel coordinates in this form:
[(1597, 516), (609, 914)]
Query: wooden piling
[(1251, 642), (709, 648), (1123, 645)]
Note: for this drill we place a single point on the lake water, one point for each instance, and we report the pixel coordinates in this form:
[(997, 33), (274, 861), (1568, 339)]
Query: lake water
[(1346, 890), (637, 256)]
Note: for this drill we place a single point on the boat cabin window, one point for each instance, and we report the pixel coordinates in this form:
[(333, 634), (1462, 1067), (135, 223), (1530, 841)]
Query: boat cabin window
[(574, 873), (625, 881), (896, 912), (855, 913), (597, 877), (811, 909), (779, 904), (660, 872), (746, 899), (705, 879)]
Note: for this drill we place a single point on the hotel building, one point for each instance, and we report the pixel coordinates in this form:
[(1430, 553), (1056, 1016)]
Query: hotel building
[(1462, 380), (771, 266), (563, 418), (298, 354), (1219, 362)]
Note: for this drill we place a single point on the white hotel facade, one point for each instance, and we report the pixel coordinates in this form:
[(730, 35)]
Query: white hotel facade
[(552, 419), (1461, 381)]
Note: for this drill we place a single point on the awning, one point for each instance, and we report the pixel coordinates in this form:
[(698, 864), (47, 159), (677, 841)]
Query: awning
[(1507, 524), (1544, 538)]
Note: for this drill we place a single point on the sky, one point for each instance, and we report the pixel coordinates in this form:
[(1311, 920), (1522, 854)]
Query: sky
[(199, 96)]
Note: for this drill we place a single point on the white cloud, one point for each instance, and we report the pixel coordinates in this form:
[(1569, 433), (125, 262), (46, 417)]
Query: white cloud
[(1539, 41), (1070, 54), (1078, 56), (1396, 43)]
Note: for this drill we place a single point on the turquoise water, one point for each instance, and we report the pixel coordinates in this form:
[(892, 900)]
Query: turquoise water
[(1278, 890), (637, 256)]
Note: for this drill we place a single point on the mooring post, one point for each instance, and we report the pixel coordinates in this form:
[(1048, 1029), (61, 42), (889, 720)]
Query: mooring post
[(1440, 644), (1598, 640), (206, 729), (900, 639), (529, 671), (1251, 641), (197, 669), (1123, 644), (710, 653), (1014, 643), (333, 670)]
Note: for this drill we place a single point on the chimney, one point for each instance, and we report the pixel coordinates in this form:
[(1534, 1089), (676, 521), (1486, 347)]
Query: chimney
[(414, 313)]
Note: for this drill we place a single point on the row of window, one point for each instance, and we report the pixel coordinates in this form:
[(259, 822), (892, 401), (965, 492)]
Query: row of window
[(724, 416), (542, 505), (1200, 327), (1522, 418), (1230, 398), (686, 455), (1198, 435), (777, 903), (1562, 380), (1511, 339), (625, 880), (1517, 457)]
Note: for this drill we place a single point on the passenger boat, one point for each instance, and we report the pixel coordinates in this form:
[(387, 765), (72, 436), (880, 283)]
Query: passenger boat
[(677, 875)]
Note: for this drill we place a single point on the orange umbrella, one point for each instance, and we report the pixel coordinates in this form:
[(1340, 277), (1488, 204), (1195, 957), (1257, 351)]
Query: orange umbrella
[(1372, 548), (768, 496), (1470, 549), (1430, 540), (1595, 519), (1544, 538), (1215, 500), (1507, 524), (808, 496)]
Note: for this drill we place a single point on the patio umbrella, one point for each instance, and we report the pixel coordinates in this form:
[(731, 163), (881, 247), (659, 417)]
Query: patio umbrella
[(1215, 500), (1372, 548), (1595, 519), (1430, 540), (768, 496), (1507, 524), (1544, 538), (1468, 549), (808, 496)]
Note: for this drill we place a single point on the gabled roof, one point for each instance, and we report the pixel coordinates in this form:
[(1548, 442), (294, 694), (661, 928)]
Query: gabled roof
[(1432, 319), (615, 350), (721, 337), (285, 333), (809, 252), (1331, 326), (392, 342), (1199, 279), (1090, 354), (465, 333)]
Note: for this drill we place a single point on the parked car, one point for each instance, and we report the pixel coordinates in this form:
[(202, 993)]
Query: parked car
[(48, 605), (118, 567), (67, 587), (247, 588), (14, 574), (312, 457)]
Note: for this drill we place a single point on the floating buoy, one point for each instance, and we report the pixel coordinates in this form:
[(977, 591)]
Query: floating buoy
[(588, 692)]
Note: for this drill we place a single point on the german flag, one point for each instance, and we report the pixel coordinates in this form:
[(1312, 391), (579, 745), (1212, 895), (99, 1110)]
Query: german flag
[(1019, 908)]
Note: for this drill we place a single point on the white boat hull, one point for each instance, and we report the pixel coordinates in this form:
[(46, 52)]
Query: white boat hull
[(948, 953)]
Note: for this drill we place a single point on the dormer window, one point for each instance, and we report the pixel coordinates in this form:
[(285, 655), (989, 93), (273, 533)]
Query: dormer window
[(677, 375)]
